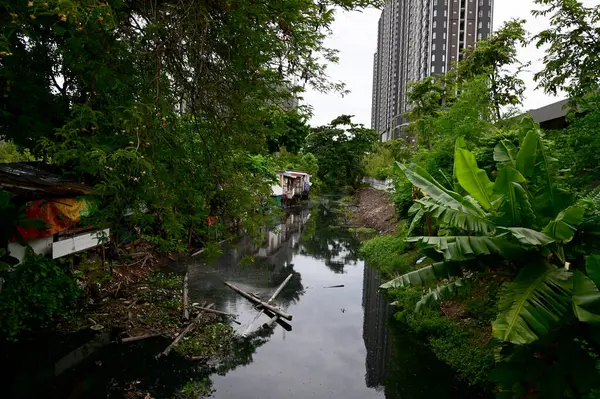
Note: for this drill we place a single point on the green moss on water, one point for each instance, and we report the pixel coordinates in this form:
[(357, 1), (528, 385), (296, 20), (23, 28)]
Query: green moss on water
[(212, 340), (196, 388)]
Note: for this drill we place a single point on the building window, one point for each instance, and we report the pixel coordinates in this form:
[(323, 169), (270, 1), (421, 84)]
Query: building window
[(478, 36), (480, 25), (433, 47), (444, 36), (480, 3), (434, 24), (445, 14), (480, 13), (434, 35), (490, 13), (489, 25), (445, 25), (433, 69), (443, 57), (453, 22), (443, 69), (444, 46), (435, 12), (432, 57)]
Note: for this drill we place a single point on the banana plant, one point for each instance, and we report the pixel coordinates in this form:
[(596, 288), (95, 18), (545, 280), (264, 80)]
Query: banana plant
[(502, 223)]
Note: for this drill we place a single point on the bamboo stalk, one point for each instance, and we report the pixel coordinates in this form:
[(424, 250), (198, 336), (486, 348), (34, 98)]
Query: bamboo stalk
[(138, 338), (277, 292), (265, 305), (186, 312)]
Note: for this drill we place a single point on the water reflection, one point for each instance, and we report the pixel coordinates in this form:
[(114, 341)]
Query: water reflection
[(323, 238)]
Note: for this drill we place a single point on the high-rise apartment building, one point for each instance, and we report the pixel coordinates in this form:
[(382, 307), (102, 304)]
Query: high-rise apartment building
[(415, 39)]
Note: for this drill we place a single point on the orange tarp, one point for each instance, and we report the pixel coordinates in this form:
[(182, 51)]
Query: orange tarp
[(60, 214)]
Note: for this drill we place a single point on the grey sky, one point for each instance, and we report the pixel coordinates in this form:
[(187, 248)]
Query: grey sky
[(355, 36)]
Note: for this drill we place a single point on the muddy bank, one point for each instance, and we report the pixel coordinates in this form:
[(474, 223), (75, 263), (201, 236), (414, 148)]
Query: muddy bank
[(373, 209)]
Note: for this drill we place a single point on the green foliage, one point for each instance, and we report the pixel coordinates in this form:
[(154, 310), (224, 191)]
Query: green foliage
[(572, 41), (163, 109), (387, 253), (542, 295), (9, 152), (453, 343), (379, 163), (340, 149), (34, 294)]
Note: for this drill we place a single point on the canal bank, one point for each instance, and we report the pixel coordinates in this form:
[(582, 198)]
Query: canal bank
[(340, 346)]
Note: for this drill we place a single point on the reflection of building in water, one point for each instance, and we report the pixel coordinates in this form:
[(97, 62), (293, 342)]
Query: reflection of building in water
[(290, 230), (375, 334)]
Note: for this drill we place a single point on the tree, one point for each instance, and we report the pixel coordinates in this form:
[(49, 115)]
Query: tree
[(160, 105), (294, 134), (494, 57), (571, 62), (340, 148), (522, 227)]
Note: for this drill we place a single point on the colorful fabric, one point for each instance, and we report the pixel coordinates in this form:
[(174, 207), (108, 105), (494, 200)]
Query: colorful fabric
[(59, 213)]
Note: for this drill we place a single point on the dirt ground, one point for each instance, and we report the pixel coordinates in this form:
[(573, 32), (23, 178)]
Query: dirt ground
[(374, 209)]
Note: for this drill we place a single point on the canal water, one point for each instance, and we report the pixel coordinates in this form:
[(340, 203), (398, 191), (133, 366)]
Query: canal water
[(343, 342)]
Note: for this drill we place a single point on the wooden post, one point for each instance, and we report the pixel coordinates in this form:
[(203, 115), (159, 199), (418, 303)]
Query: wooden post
[(265, 305), (186, 312)]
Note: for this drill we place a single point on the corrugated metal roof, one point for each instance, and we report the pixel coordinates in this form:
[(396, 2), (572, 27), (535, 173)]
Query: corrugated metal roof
[(32, 179)]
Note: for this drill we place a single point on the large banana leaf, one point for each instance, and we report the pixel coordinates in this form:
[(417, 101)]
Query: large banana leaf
[(565, 225), (425, 275), (428, 185), (533, 303), (419, 211), (473, 179), (586, 299), (458, 248), (528, 153), (515, 207), (457, 218), (441, 293), (528, 236), (592, 267), (506, 152)]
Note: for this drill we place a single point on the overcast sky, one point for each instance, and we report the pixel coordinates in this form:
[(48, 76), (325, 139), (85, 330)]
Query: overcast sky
[(355, 36)]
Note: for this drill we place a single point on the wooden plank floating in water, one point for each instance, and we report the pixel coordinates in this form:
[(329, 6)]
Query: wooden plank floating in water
[(277, 292), (264, 305), (335, 286)]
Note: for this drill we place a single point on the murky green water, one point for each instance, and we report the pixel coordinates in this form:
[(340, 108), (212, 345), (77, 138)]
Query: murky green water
[(340, 344)]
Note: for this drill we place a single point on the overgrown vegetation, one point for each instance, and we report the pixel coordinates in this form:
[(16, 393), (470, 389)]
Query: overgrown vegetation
[(34, 294), (508, 294)]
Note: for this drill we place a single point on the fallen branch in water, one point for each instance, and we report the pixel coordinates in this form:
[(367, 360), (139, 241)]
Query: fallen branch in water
[(274, 318), (335, 286), (185, 331), (219, 313), (138, 338), (265, 305)]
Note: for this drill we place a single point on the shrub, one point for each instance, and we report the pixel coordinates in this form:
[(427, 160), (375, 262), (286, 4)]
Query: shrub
[(35, 293)]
